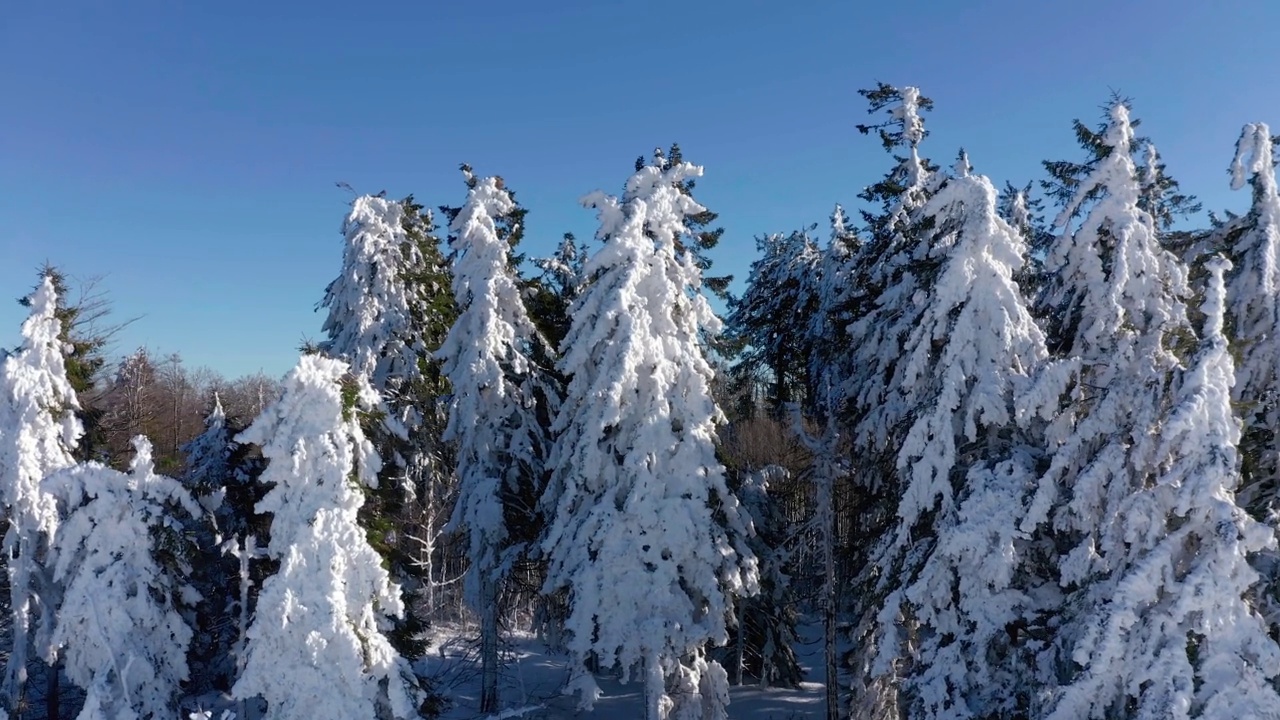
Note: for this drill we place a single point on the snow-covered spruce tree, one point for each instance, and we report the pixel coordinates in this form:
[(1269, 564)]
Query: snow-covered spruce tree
[(106, 554), (1116, 309), (842, 296), (1159, 194), (371, 305), (968, 356), (696, 237), (84, 312), (645, 533), (387, 310), (208, 463), (221, 476), (208, 459), (1253, 313), (316, 649), (891, 267), (769, 319), (39, 431), (549, 296), (763, 639), (493, 418), (1025, 214), (1169, 633)]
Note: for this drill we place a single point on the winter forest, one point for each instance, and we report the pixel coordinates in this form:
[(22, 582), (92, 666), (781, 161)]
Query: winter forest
[(973, 451)]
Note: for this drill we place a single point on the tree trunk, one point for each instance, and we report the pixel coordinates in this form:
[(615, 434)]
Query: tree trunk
[(247, 551), (828, 468), (742, 639), (51, 694), (829, 570), (429, 536), (655, 688), (488, 642)]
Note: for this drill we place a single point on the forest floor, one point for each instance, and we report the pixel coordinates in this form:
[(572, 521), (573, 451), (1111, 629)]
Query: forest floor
[(533, 677)]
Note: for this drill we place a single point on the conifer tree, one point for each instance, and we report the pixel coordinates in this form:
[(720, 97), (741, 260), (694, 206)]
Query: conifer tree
[(1025, 214), (1159, 194), (316, 649), (769, 319), (39, 432), (550, 295), (493, 418), (842, 297), (895, 263), (222, 477), (887, 270), (968, 357), (1169, 631), (109, 555), (85, 332), (1253, 312), (509, 226), (698, 237), (389, 308), (645, 533), (764, 637), (1117, 312)]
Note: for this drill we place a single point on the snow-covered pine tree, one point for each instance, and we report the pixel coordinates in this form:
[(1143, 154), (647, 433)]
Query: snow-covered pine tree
[(316, 649), (769, 320), (208, 459), (388, 309), (39, 431), (371, 304), (493, 414), (645, 533), (1116, 308), (1168, 633), (968, 356), (1253, 313), (208, 463), (509, 226), (106, 555)]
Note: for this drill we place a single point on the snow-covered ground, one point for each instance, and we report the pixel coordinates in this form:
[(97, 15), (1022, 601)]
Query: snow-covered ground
[(531, 682)]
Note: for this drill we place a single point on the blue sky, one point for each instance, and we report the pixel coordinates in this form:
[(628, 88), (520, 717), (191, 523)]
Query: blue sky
[(187, 152)]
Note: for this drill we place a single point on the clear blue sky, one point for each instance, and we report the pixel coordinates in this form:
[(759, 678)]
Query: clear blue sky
[(187, 151)]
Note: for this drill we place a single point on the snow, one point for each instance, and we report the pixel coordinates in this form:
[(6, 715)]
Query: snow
[(534, 678)]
